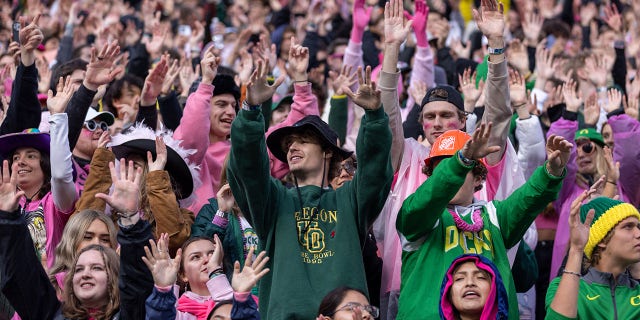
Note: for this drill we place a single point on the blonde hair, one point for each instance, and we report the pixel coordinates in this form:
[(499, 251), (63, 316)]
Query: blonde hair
[(73, 233), (73, 309), (601, 166)]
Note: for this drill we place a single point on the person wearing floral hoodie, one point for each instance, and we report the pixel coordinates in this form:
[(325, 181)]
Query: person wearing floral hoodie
[(473, 287), (217, 99)]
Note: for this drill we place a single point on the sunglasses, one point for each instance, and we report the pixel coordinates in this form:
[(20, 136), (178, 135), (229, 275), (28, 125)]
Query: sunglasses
[(349, 167), (372, 310), (92, 125), (587, 147)]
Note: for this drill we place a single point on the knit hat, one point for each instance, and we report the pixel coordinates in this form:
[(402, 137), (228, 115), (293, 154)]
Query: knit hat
[(444, 93), (591, 134), (225, 84), (608, 213)]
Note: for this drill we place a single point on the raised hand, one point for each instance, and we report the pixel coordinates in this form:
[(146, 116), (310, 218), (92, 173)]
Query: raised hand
[(64, 91), (345, 78), (517, 88), (361, 17), (572, 98), (613, 167), (252, 272), (417, 91), (267, 50), (187, 76), (419, 22), (461, 51), (531, 26), (163, 269), (579, 231), (613, 18), (170, 78), (395, 28), (614, 101), (470, 91), (9, 194), (587, 13), (158, 34), (99, 69), (631, 107), (153, 83), (225, 198), (215, 261), (258, 90), (546, 66), (195, 42), (104, 139), (478, 147), (125, 196), (558, 152), (596, 69), (246, 67), (161, 156), (591, 110), (209, 66), (518, 57), (367, 97), (30, 37), (44, 73), (490, 20), (298, 62)]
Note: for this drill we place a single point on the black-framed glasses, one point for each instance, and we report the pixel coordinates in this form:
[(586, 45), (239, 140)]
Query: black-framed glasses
[(587, 147), (372, 310), (349, 167), (92, 125)]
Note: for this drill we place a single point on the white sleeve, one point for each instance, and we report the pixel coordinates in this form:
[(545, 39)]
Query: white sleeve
[(531, 147), (63, 189)]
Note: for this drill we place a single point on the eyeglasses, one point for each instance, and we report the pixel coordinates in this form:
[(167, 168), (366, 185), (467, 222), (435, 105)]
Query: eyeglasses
[(349, 167), (587, 147), (92, 125), (372, 310)]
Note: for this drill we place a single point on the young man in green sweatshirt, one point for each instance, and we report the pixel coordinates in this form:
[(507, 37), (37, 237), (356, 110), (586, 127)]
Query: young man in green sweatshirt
[(314, 233), (442, 220)]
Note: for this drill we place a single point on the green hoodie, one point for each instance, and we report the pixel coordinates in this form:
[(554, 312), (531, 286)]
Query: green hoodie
[(431, 240), (306, 266)]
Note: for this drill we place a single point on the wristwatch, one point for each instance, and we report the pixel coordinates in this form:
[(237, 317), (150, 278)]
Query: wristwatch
[(221, 214), (494, 51), (466, 162), (246, 106)]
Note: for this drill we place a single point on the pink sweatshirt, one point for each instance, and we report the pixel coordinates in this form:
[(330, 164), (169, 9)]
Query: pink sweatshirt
[(194, 132)]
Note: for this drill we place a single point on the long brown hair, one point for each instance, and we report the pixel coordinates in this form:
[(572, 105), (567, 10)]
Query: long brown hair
[(73, 308), (72, 235)]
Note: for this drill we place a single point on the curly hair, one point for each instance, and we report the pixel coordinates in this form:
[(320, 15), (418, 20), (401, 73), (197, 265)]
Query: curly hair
[(479, 170)]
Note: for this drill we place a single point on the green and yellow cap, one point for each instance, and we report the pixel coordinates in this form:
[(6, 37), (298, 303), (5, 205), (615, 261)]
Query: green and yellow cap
[(608, 213), (591, 134)]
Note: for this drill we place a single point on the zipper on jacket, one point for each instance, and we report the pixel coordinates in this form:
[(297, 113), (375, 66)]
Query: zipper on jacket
[(613, 298)]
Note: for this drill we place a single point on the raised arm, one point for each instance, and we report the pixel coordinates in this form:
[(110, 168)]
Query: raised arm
[(63, 188), (565, 300), (248, 171), (490, 20), (24, 108), (423, 67), (372, 181), (23, 281), (193, 131), (395, 33)]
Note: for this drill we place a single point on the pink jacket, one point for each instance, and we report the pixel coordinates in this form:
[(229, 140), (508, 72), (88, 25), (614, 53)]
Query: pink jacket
[(626, 139), (194, 132)]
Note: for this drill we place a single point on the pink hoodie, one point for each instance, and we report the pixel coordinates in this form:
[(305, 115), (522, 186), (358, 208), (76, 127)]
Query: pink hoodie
[(194, 132)]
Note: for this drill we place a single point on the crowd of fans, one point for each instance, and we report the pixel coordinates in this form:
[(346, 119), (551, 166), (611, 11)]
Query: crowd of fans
[(338, 159)]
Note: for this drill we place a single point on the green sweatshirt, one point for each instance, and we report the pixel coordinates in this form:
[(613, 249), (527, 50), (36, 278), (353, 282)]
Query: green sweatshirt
[(431, 240), (306, 266), (597, 300)]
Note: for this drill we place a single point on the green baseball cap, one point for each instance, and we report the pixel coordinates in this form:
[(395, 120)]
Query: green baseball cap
[(285, 99), (591, 134)]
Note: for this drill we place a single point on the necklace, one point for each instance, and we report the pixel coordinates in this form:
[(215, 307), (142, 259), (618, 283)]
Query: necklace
[(476, 219)]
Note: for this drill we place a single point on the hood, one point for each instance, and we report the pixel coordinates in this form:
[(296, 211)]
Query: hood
[(497, 306)]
